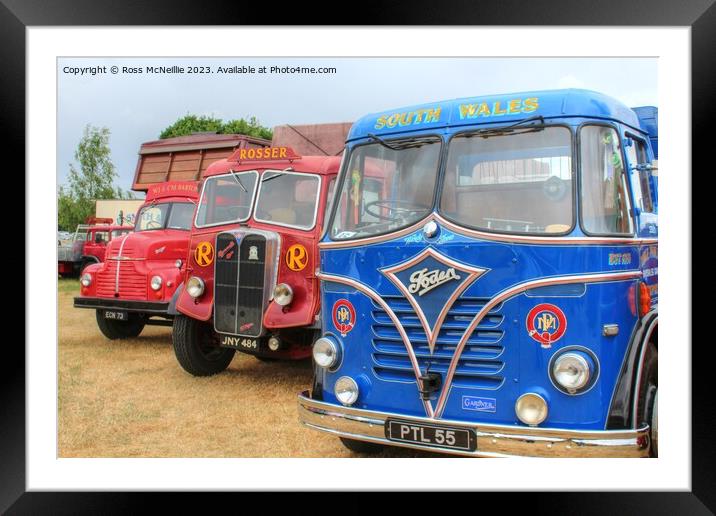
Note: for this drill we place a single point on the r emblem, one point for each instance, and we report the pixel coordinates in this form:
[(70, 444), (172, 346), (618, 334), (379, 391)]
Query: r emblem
[(296, 257), (204, 254)]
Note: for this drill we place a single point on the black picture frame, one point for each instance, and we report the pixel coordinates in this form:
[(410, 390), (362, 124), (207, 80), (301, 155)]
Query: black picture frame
[(16, 15)]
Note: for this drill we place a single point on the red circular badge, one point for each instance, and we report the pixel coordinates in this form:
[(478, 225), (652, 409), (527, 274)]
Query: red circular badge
[(546, 324), (344, 316)]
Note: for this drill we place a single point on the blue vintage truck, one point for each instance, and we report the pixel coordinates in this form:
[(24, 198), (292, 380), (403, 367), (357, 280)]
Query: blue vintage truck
[(489, 275)]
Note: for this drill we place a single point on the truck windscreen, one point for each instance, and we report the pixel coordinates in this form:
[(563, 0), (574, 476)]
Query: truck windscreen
[(388, 185), (226, 198), (175, 215), (287, 199), (514, 183)]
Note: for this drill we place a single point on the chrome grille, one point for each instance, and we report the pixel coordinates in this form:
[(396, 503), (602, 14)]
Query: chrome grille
[(480, 364)]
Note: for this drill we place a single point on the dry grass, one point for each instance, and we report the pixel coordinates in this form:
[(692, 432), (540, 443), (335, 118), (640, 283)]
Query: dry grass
[(132, 399)]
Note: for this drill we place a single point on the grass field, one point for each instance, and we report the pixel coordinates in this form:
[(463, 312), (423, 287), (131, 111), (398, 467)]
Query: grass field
[(132, 399)]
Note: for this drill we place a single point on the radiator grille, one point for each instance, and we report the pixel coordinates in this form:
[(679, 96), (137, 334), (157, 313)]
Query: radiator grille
[(132, 284), (481, 361), (239, 284)]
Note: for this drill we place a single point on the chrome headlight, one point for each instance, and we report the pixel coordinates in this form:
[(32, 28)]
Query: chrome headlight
[(283, 294), (346, 390), (195, 287), (156, 282), (178, 263), (326, 352), (571, 371), (531, 409), (86, 279)]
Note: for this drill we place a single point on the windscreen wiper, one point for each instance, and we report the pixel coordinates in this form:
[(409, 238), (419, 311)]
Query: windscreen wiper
[(276, 174), (236, 177), (403, 143), (510, 129)]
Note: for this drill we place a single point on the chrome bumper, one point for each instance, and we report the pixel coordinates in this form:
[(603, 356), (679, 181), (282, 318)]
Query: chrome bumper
[(492, 440)]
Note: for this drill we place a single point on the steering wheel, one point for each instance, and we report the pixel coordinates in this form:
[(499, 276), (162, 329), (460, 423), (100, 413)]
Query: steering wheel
[(155, 224), (554, 188), (396, 206)]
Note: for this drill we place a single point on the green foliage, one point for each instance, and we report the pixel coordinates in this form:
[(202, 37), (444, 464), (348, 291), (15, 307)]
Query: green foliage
[(191, 124), (94, 179)]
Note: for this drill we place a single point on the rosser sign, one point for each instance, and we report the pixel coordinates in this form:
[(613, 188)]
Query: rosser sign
[(264, 153)]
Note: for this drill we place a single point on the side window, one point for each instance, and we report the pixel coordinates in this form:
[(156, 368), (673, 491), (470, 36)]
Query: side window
[(604, 193), (636, 154)]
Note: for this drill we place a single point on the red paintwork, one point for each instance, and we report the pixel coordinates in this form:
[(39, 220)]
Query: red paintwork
[(146, 253), (305, 285)]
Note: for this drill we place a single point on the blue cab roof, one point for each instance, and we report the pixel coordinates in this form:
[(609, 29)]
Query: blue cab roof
[(492, 109)]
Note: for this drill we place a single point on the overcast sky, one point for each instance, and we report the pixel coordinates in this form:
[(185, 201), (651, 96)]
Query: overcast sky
[(137, 107)]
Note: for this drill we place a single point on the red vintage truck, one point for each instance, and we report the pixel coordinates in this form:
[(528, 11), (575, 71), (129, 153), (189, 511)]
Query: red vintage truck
[(88, 245), (136, 283), (250, 281)]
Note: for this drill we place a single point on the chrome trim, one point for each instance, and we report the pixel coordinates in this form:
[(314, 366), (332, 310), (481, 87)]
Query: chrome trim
[(227, 222), (509, 293), (472, 272), (381, 302), (119, 263), (315, 206), (513, 239), (492, 440), (642, 353)]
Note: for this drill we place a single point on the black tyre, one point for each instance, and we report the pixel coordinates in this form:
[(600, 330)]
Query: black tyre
[(113, 329), (197, 348), (362, 446)]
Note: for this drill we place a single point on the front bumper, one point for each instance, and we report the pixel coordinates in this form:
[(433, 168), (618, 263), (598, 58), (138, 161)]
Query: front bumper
[(102, 303), (492, 440)]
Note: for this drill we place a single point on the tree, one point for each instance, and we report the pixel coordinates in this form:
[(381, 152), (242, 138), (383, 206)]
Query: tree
[(94, 179), (190, 124)]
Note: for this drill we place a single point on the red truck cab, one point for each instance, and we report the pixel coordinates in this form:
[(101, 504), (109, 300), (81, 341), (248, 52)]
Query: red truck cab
[(250, 283), (137, 282), (88, 245)]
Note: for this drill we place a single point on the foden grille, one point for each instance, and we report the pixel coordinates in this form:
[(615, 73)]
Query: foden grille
[(480, 364)]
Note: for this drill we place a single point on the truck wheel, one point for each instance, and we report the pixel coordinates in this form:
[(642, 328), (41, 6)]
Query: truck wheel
[(362, 446), (197, 349), (120, 329)]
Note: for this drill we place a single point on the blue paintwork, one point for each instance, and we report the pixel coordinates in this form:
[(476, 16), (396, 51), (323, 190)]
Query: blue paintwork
[(504, 361)]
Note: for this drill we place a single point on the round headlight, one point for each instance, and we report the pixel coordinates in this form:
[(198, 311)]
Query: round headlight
[(283, 294), (326, 352), (195, 287), (571, 371), (86, 279), (178, 263), (346, 390), (156, 282), (531, 409)]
